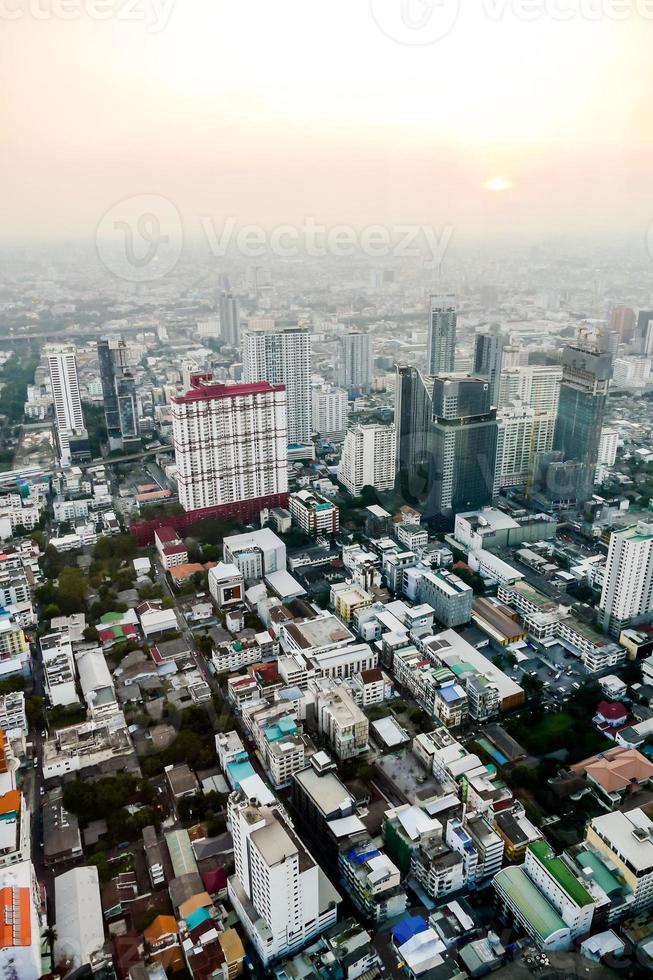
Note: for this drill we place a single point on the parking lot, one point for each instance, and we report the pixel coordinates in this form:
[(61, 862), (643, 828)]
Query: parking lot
[(555, 666)]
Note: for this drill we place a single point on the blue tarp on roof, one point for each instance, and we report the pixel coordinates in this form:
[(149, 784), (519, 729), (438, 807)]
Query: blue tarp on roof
[(408, 928), (197, 917)]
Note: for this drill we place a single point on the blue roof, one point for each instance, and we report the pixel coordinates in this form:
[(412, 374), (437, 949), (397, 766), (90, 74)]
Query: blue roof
[(357, 858), (197, 917), (451, 693), (237, 771), (407, 928)]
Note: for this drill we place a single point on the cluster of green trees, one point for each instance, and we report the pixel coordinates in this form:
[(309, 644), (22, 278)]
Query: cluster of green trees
[(67, 596), (207, 807), (542, 733), (15, 375), (194, 744)]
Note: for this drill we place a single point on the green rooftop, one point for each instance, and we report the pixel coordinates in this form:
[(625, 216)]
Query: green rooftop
[(601, 874), (560, 873), (533, 906)]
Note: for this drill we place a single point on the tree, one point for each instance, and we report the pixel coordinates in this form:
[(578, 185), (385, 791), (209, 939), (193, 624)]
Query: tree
[(50, 936)]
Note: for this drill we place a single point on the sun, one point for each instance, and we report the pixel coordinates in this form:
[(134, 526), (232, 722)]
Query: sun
[(497, 184)]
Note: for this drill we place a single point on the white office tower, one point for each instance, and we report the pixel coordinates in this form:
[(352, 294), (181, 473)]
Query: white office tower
[(281, 896), (329, 411), (229, 319), (535, 385), (69, 419), (283, 356), (368, 458), (355, 362), (441, 336), (522, 434), (627, 596), (230, 444)]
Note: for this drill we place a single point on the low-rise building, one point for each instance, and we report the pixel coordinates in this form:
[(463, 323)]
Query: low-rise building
[(314, 514)]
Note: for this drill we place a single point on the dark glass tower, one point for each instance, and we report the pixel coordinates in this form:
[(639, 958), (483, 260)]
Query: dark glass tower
[(119, 393), (463, 447), (441, 337), (586, 373)]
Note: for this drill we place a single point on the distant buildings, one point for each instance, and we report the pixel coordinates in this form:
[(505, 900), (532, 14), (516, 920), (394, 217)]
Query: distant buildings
[(368, 458), (441, 335), (119, 393), (230, 445), (627, 596), (229, 319), (282, 356), (354, 365)]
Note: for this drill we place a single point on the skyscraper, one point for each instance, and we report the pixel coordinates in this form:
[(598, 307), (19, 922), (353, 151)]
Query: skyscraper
[(488, 358), (586, 373), (627, 596), (463, 447), (441, 337), (231, 446), (622, 319), (282, 355), (72, 438), (355, 362), (413, 425), (522, 435), (229, 319), (645, 331), (119, 393)]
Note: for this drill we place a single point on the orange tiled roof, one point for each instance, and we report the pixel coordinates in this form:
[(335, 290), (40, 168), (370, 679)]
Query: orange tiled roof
[(617, 771), (162, 925), (15, 923)]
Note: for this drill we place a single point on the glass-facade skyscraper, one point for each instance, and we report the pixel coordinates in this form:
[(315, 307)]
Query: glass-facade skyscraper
[(586, 373), (441, 335), (119, 393)]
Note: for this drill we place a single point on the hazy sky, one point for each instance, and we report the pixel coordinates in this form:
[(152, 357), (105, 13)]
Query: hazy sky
[(272, 110)]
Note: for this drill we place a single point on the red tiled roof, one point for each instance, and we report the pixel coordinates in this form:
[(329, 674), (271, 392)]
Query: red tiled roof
[(612, 710)]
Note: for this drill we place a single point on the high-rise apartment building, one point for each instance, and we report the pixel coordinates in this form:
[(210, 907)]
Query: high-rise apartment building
[(627, 596), (280, 894), (441, 336), (586, 374), (535, 385), (72, 438), (230, 444), (368, 458), (522, 434), (229, 311), (463, 446), (329, 406), (282, 355), (119, 393), (355, 362)]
